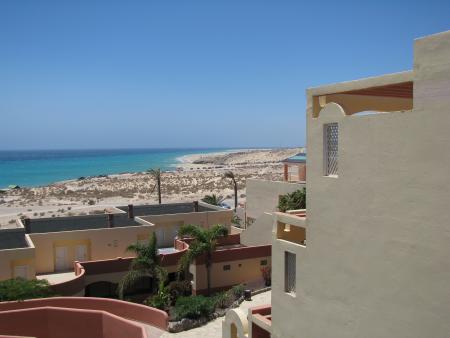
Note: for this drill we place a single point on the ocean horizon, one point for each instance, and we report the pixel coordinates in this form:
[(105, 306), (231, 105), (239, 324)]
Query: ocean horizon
[(31, 168)]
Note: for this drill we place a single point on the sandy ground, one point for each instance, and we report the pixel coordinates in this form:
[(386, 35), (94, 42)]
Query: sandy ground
[(196, 176), (214, 328)]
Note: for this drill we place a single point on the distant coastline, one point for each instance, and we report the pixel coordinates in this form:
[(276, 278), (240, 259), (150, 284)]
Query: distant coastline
[(196, 175), (32, 168)]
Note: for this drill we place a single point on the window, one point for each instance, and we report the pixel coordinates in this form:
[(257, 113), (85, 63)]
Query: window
[(330, 141), (263, 262), (289, 272), (226, 267)]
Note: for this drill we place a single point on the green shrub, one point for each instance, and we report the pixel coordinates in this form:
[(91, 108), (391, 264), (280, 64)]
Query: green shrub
[(237, 291), (178, 289), (224, 299), (194, 307), (160, 301), (21, 289), (293, 201)]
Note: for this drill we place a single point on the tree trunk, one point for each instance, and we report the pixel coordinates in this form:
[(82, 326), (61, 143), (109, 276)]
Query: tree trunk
[(235, 195), (159, 189)]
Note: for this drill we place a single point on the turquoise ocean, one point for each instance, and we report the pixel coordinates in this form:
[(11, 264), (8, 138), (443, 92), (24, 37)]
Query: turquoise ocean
[(41, 167)]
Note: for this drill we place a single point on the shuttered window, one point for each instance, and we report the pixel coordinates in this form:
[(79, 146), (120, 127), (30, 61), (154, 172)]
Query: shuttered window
[(289, 272)]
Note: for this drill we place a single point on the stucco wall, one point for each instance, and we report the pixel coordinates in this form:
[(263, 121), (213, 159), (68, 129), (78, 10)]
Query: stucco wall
[(245, 266), (377, 253), (260, 232), (167, 226), (262, 195), (358, 103), (103, 244), (9, 258)]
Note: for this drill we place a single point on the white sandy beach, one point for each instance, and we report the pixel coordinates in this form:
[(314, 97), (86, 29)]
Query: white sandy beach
[(194, 177)]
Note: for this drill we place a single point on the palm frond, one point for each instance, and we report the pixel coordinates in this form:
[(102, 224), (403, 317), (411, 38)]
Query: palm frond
[(130, 278), (229, 174), (194, 231), (213, 199), (154, 172), (217, 231), (136, 248)]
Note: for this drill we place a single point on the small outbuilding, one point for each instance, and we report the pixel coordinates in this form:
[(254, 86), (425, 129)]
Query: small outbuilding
[(295, 168)]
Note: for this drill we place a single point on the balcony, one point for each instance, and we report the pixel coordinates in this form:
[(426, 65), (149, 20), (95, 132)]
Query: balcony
[(291, 226)]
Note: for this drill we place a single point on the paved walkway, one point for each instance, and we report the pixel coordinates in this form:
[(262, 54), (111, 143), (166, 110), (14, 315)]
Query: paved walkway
[(214, 328)]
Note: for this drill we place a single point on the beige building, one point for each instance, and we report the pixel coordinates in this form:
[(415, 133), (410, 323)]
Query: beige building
[(17, 254), (371, 258), (262, 200), (48, 247), (232, 263)]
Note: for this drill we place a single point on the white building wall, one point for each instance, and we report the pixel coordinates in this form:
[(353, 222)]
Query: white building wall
[(262, 195), (376, 262)]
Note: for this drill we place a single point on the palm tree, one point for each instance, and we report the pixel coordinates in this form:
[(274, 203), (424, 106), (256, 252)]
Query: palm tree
[(204, 242), (145, 264), (213, 199), (156, 173), (229, 174)]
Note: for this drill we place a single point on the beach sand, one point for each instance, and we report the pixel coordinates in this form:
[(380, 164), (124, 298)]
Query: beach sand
[(195, 177)]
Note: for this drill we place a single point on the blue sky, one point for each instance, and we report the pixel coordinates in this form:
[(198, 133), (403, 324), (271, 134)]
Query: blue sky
[(119, 74)]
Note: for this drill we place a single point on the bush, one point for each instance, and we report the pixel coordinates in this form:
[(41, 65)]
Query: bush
[(178, 289), (160, 300), (238, 291), (236, 220), (293, 201), (194, 307), (21, 289), (224, 299)]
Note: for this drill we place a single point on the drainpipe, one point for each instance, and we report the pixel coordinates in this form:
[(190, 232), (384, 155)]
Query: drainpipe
[(27, 224), (195, 206), (130, 211), (110, 220)]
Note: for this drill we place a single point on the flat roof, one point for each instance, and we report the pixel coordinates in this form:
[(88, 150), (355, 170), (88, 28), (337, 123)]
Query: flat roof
[(167, 209), (402, 78), (299, 158), (12, 239), (56, 224)]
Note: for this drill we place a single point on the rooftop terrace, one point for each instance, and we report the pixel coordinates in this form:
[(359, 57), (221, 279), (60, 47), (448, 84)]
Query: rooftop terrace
[(12, 239), (169, 208), (56, 224)]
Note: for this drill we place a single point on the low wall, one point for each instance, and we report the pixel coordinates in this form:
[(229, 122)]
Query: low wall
[(54, 322), (73, 287), (137, 312), (106, 265), (260, 232), (241, 253), (263, 195), (229, 240)]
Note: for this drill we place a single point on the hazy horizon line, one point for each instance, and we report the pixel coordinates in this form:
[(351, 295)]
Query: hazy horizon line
[(151, 148)]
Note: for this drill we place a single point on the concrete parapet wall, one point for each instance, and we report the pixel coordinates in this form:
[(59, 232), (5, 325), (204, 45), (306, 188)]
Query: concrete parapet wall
[(55, 322), (137, 312)]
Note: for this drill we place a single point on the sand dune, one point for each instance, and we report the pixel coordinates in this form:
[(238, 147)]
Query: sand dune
[(196, 176)]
